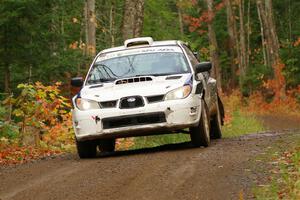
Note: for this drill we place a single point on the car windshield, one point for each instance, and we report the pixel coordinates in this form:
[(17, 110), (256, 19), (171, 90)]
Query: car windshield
[(146, 64)]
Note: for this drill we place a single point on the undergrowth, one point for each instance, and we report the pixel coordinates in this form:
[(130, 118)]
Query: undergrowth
[(283, 181), (35, 121), (241, 124)]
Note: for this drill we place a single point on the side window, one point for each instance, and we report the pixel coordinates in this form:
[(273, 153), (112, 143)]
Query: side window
[(194, 61), (191, 56)]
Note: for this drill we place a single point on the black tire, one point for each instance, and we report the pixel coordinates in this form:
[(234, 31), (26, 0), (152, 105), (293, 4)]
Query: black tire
[(215, 125), (107, 145), (86, 149), (200, 134)]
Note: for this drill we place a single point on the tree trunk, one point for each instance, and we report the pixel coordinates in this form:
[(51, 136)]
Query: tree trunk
[(248, 51), (138, 28), (243, 66), (263, 42), (112, 23), (7, 79), (272, 46), (180, 21), (90, 27), (133, 18), (233, 42), (7, 72), (216, 72)]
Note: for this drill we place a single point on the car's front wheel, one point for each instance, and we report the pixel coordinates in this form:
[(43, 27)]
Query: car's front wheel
[(200, 134), (86, 149)]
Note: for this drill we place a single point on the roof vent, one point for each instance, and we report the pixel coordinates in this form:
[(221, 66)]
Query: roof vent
[(138, 41)]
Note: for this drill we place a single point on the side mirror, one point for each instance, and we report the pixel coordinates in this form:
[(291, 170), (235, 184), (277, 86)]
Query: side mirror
[(77, 81), (203, 67)]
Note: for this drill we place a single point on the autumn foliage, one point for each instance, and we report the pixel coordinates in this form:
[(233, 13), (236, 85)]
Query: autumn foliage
[(259, 103), (44, 123), (197, 24), (14, 154)]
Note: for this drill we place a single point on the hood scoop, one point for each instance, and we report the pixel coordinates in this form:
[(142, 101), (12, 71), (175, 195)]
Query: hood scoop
[(133, 80), (173, 77)]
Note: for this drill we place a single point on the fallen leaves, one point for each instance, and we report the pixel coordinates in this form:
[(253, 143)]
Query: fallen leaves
[(13, 154)]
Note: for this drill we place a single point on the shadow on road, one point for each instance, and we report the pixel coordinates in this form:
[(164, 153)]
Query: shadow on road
[(162, 148)]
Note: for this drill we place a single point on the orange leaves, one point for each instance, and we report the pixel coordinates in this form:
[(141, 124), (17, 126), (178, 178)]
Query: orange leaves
[(195, 23), (14, 154), (257, 103), (297, 43), (74, 45), (219, 6), (124, 143), (43, 108), (231, 103), (77, 45), (260, 102), (277, 85)]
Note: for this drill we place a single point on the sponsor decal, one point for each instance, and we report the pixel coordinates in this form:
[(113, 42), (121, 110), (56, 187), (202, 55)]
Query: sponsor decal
[(126, 52)]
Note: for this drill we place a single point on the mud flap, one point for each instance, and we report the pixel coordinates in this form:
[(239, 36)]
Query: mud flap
[(222, 111)]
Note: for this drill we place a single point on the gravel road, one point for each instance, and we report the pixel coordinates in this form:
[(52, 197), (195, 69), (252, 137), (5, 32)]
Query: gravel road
[(225, 170)]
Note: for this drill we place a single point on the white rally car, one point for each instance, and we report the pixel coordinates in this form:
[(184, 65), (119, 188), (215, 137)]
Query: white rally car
[(143, 88)]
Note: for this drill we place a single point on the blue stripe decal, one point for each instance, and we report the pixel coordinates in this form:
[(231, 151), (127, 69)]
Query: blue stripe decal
[(189, 80)]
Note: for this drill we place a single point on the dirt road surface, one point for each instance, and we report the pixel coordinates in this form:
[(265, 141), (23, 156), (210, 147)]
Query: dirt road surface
[(225, 170)]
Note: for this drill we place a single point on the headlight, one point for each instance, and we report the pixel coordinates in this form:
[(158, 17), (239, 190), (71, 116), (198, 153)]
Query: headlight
[(179, 93), (84, 104)]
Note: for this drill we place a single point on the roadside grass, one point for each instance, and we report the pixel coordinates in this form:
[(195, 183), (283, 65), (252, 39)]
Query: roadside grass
[(158, 140), (240, 124), (283, 181)]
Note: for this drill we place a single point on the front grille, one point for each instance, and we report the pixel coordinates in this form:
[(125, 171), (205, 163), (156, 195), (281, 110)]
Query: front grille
[(108, 104), (133, 120), (131, 102), (133, 80), (154, 99)]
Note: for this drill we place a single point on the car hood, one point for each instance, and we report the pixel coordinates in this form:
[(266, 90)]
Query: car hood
[(111, 91)]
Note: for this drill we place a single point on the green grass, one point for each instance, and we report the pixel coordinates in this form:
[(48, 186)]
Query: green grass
[(241, 124), (158, 140), (284, 177)]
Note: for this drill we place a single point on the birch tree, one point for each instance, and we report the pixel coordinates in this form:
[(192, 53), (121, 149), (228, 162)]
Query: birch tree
[(265, 11)]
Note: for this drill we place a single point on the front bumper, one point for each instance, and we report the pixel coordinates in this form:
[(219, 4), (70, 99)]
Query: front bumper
[(177, 114)]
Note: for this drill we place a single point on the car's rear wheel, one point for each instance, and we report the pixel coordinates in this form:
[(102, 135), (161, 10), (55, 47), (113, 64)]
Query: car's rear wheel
[(107, 145), (215, 124), (86, 149), (200, 134)]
